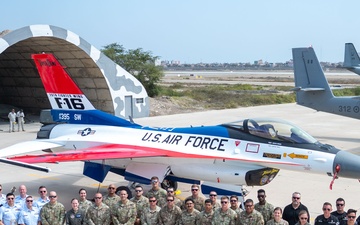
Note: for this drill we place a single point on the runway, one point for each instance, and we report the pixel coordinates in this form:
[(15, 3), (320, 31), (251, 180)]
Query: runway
[(66, 178)]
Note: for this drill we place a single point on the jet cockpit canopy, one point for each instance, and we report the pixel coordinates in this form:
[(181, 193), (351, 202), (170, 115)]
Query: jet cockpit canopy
[(274, 129)]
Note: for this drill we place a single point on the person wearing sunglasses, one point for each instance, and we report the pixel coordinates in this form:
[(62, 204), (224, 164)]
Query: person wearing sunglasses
[(291, 211), (171, 192), (266, 209), (157, 191), (149, 215), (140, 201), (303, 218), (29, 215), (326, 217), (351, 215), (189, 215), (340, 212), (99, 213), (250, 216), (43, 199), (195, 196), (224, 215), (169, 214), (10, 211), (53, 212)]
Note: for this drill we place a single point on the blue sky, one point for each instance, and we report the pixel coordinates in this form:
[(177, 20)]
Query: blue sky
[(201, 30)]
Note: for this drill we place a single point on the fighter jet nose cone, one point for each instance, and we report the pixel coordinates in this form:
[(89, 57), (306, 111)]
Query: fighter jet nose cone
[(349, 165)]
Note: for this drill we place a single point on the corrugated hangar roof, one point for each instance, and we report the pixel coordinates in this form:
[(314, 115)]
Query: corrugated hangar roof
[(104, 83)]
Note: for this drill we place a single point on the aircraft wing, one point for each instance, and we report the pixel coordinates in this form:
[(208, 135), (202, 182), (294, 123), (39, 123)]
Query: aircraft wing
[(29, 146), (106, 151)]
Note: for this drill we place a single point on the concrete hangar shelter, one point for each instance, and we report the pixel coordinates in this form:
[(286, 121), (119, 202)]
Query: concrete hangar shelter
[(108, 86)]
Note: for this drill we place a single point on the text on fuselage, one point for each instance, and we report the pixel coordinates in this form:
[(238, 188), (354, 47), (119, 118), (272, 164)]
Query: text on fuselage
[(211, 143)]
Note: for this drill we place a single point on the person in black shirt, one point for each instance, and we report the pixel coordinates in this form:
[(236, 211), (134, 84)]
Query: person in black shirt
[(291, 211), (326, 218), (340, 212)]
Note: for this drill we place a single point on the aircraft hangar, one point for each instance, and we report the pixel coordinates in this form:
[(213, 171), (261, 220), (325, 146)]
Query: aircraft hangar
[(108, 86)]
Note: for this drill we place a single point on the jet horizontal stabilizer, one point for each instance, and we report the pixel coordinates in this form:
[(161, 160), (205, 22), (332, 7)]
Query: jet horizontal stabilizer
[(307, 89), (25, 165)]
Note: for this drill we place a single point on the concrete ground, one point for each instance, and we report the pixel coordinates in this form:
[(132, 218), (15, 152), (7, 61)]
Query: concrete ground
[(342, 132)]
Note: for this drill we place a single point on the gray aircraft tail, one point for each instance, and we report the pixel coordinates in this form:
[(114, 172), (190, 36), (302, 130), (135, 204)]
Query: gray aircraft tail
[(351, 58), (311, 86)]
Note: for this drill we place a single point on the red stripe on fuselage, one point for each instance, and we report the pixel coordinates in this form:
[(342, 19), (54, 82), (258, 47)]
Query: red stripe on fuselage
[(53, 76)]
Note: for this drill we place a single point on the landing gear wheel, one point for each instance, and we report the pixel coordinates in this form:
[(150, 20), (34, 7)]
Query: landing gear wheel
[(169, 183)]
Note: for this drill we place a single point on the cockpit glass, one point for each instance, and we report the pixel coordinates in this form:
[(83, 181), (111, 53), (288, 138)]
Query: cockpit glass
[(274, 129)]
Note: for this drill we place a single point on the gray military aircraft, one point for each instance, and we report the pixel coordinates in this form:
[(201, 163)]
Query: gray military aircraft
[(351, 59), (313, 90)]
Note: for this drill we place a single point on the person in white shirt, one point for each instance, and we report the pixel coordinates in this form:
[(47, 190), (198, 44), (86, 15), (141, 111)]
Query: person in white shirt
[(20, 119)]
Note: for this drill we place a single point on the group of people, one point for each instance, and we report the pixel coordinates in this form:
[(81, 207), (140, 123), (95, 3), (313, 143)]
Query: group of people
[(159, 206), (16, 117)]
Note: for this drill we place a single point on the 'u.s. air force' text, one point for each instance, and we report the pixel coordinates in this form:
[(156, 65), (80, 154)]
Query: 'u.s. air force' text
[(211, 143)]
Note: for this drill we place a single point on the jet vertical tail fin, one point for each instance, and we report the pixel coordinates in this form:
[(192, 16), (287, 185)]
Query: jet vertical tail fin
[(311, 85), (68, 102), (61, 90), (351, 58)]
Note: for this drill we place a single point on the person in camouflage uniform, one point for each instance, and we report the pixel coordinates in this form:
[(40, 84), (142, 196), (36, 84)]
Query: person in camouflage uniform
[(75, 216), (111, 199), (149, 215), (169, 214), (125, 212), (214, 202), (224, 215), (53, 212), (98, 213), (234, 205), (157, 191), (250, 216), (84, 204), (141, 202), (198, 200), (188, 216), (265, 208), (205, 217), (277, 218), (171, 192)]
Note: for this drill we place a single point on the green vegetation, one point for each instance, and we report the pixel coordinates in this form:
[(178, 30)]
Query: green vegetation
[(347, 92), (140, 63), (229, 96)]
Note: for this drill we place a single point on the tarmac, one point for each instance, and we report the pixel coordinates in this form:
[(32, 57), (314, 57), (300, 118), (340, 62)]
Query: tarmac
[(66, 178)]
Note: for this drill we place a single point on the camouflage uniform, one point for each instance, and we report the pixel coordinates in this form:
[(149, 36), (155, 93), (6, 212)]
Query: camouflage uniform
[(187, 218), (53, 214), (273, 222), (84, 205), (238, 210), (224, 218), (168, 216), (216, 205), (98, 215), (150, 217), (254, 218), (141, 204), (125, 213), (75, 218), (198, 203), (204, 218), (113, 203), (265, 210), (178, 202), (160, 195)]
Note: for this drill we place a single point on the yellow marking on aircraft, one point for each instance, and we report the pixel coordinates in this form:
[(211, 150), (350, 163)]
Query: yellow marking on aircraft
[(298, 156)]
